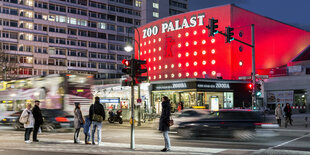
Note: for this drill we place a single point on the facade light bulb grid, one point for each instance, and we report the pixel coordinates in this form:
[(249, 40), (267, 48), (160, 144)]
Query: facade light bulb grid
[(195, 32), (186, 34)]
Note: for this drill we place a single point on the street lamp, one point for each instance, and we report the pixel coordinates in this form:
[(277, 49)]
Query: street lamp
[(128, 47)]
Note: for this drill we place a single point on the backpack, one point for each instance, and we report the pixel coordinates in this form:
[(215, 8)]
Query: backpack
[(24, 120)]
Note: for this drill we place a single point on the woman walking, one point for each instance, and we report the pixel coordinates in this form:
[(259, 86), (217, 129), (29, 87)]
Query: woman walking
[(288, 114), (29, 123), (78, 122), (278, 114), (164, 122)]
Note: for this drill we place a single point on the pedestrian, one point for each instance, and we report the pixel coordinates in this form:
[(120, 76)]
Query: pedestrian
[(78, 121), (179, 107), (278, 114), (164, 122), (29, 122), (182, 105), (87, 130), (38, 119), (96, 115), (288, 114)]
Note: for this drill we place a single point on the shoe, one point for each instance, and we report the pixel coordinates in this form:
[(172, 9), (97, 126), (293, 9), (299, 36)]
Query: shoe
[(87, 143), (36, 140), (165, 150), (27, 141), (93, 143)]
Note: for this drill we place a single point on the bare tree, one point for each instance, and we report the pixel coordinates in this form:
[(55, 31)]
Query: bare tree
[(9, 66)]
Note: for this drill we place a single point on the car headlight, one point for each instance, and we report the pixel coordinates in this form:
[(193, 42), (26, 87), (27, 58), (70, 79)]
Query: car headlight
[(4, 120)]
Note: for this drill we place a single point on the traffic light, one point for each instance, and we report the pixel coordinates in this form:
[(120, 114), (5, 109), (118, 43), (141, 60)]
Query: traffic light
[(212, 27), (229, 34), (139, 69), (126, 70), (258, 89), (250, 85)]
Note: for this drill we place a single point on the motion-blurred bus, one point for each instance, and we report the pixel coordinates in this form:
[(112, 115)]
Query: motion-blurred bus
[(56, 91)]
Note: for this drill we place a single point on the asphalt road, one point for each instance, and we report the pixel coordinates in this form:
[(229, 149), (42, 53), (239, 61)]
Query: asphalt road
[(116, 140)]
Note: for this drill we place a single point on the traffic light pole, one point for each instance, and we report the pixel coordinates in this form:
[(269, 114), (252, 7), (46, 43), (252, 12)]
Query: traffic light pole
[(132, 137), (253, 67)]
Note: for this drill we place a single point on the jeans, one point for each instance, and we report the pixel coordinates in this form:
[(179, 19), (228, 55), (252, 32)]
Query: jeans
[(35, 131), (97, 125), (167, 139), (87, 136), (27, 133), (279, 122), (76, 135), (288, 119)]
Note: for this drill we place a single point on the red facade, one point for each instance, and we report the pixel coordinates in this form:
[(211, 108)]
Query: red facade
[(179, 47)]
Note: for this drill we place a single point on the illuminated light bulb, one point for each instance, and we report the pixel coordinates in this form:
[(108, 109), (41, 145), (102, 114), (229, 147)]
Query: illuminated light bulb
[(144, 43), (203, 42), (172, 65), (195, 32), (154, 40), (159, 39), (172, 75), (150, 69), (149, 59), (187, 54), (149, 50), (159, 58), (186, 44), (159, 67), (213, 51), (179, 35), (204, 62), (154, 49), (154, 59), (166, 76), (213, 62), (159, 76), (141, 53), (187, 74), (195, 63), (195, 42), (144, 52), (195, 53), (179, 55), (140, 44), (159, 48), (204, 52), (149, 41), (186, 34), (180, 74), (154, 77), (180, 65), (150, 78), (195, 73), (212, 40), (213, 73), (179, 45), (204, 31), (240, 63), (204, 73), (166, 66), (154, 68), (187, 64)]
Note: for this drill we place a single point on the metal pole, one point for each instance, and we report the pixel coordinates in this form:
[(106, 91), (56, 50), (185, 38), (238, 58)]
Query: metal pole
[(132, 141), (139, 89), (253, 68)]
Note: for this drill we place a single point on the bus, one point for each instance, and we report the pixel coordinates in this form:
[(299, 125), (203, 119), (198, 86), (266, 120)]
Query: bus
[(56, 91)]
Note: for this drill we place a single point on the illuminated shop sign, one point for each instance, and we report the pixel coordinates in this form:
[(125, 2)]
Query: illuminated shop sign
[(175, 25), (214, 85), (110, 100), (171, 86)]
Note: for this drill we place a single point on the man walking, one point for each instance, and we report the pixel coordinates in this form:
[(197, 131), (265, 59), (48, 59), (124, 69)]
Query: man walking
[(96, 115), (38, 120)]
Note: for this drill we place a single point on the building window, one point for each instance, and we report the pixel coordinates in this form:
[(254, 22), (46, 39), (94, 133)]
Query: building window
[(155, 14), (138, 3), (155, 5)]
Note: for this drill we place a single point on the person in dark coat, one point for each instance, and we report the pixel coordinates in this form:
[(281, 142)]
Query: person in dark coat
[(86, 127), (78, 121), (96, 110), (164, 122), (38, 119), (288, 114)]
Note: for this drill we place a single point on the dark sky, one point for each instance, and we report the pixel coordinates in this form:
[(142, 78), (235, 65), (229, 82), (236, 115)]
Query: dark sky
[(293, 12)]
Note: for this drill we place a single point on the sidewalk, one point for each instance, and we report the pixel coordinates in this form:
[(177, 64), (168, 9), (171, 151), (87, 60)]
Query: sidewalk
[(299, 122)]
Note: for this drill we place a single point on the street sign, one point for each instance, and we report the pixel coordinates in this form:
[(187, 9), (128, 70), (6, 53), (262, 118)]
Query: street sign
[(257, 76), (262, 76), (139, 100), (244, 77)]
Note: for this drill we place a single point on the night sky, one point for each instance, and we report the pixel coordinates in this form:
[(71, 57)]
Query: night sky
[(293, 12)]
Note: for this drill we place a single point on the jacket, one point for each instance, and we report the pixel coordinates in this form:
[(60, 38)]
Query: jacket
[(78, 119), (98, 109), (28, 113), (36, 111), (165, 116), (278, 113), (288, 111), (87, 125)]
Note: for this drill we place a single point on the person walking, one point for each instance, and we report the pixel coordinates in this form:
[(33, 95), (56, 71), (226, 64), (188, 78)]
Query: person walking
[(164, 122), (78, 121), (278, 114), (86, 126), (38, 120), (288, 114), (96, 115), (29, 123)]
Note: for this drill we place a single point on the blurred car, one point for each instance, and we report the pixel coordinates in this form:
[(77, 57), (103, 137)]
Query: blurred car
[(11, 119), (53, 119), (240, 124), (187, 115)]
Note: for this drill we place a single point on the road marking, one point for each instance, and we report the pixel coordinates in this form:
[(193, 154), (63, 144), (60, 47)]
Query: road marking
[(289, 141)]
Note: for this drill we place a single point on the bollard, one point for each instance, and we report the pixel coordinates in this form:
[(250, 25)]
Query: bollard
[(306, 122)]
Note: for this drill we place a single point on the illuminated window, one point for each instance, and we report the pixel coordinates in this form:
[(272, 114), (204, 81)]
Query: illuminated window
[(213, 62), (73, 21), (62, 19), (103, 26), (204, 62), (213, 41), (52, 18), (28, 36), (213, 73), (29, 2), (155, 14), (213, 51), (28, 26), (138, 3), (155, 5), (204, 52)]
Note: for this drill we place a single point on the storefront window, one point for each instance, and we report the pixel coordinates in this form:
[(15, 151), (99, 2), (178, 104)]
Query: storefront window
[(228, 100)]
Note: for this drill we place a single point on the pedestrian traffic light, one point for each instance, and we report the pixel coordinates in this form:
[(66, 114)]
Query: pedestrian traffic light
[(126, 70), (229, 34), (258, 89), (250, 85), (212, 27), (139, 69)]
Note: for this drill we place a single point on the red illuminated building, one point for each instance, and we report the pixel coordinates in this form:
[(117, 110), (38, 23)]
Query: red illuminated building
[(179, 47)]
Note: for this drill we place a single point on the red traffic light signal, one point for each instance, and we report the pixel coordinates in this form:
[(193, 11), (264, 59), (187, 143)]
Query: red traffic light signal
[(126, 62), (250, 85)]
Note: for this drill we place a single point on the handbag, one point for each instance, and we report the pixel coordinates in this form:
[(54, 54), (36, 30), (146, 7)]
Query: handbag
[(24, 119), (96, 117), (171, 121)]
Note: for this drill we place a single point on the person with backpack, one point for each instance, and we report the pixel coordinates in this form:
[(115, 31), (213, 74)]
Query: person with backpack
[(96, 115), (27, 119)]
